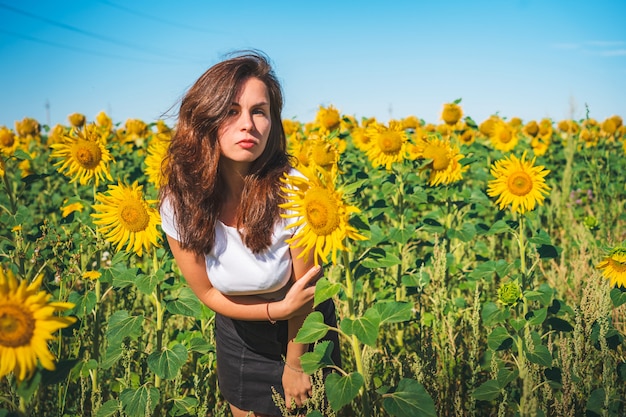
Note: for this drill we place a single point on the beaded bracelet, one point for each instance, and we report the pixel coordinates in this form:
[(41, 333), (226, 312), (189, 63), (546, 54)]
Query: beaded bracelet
[(267, 310)]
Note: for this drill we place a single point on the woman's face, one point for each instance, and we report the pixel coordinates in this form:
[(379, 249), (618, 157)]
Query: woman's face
[(243, 136)]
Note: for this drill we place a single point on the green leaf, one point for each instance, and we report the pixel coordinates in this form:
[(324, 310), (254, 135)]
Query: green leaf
[(394, 311), (375, 260), (319, 358), (200, 345), (409, 399), (122, 325), (83, 303), (548, 251), (186, 304), (146, 283), (123, 276), (184, 406), (341, 390), (517, 323), (541, 238), (500, 226), (324, 290), (536, 317), (137, 402), (492, 314), (112, 355), (489, 269), (466, 233), (487, 391), (499, 339), (108, 409), (595, 402), (618, 297), (543, 294), (541, 356), (506, 376), (167, 363), (364, 328), (313, 328)]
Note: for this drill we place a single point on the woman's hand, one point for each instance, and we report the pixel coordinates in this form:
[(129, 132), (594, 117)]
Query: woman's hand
[(297, 386), (299, 298)]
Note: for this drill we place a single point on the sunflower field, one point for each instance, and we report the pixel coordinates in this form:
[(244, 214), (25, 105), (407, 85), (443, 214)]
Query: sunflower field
[(479, 269)]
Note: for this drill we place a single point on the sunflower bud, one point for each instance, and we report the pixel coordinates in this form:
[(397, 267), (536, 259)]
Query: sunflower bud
[(591, 222), (509, 293), (76, 119), (452, 113)]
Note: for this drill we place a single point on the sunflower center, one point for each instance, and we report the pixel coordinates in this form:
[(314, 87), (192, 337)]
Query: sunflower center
[(520, 183), (505, 136), (439, 155), (7, 140), (390, 143), (322, 212), (87, 154), (17, 325), (323, 155), (133, 216)]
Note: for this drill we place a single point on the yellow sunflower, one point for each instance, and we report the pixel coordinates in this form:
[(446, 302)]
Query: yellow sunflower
[(27, 323), (77, 119), (70, 207), (8, 141), (157, 150), (322, 217), (518, 182), (451, 113), (124, 217), (388, 144), (503, 136), (328, 118), (83, 156), (444, 166), (613, 266)]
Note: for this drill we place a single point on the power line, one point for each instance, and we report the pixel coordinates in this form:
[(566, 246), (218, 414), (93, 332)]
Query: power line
[(158, 19), (81, 50), (87, 33)]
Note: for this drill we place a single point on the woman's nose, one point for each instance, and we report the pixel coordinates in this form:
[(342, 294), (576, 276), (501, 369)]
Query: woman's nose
[(246, 121)]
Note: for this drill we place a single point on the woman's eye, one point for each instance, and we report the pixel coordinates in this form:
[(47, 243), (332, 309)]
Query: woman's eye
[(232, 112), (259, 111)]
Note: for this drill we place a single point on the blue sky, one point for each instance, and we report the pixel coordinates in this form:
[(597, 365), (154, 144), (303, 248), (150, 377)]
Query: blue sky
[(391, 59)]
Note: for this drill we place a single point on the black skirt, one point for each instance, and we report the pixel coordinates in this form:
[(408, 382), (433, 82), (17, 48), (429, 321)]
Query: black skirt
[(250, 359)]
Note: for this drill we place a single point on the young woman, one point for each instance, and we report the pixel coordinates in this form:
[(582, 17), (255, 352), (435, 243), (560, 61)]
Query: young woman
[(220, 211)]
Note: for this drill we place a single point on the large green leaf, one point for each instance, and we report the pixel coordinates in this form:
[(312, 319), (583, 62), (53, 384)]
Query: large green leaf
[(536, 317), (139, 402), (487, 270), (394, 311), (83, 303), (618, 297), (487, 391), (324, 290), (499, 339), (319, 358), (122, 325), (389, 259), (108, 409), (123, 276), (364, 328), (341, 390), (541, 356), (410, 399), (112, 355), (543, 294), (184, 406), (186, 304), (465, 233), (492, 314), (313, 328), (167, 363), (146, 283)]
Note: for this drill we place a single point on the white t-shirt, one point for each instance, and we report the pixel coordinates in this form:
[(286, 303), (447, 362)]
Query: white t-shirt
[(233, 268)]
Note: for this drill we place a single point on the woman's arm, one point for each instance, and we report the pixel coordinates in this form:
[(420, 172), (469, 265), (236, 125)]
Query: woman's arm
[(296, 383), (299, 298)]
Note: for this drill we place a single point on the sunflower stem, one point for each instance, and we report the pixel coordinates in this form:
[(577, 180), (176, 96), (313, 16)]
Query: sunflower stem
[(354, 341)]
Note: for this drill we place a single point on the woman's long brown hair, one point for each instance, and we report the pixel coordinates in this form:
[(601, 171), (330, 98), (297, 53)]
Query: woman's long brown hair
[(193, 183)]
